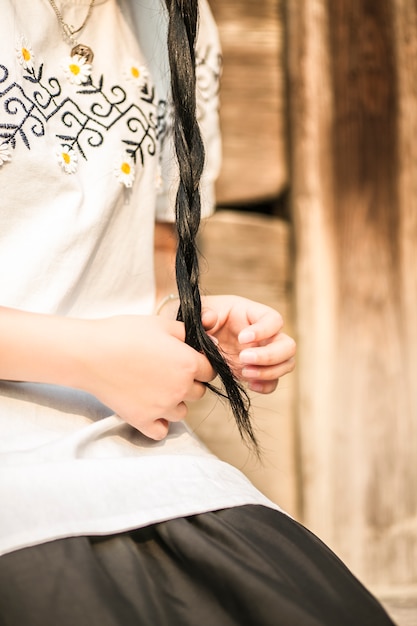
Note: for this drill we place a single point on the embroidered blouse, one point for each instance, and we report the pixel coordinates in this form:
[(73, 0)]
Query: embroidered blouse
[(86, 166)]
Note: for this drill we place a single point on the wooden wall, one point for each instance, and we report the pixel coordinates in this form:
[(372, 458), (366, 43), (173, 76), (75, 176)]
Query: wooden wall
[(354, 195), (343, 138), (253, 105)]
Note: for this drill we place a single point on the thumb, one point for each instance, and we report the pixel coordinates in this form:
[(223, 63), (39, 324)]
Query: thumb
[(176, 329), (209, 319)]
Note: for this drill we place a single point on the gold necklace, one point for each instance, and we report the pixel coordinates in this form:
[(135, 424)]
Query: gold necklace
[(68, 32)]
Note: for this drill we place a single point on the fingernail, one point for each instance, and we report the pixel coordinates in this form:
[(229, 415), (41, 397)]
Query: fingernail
[(248, 357), (250, 372), (247, 336)]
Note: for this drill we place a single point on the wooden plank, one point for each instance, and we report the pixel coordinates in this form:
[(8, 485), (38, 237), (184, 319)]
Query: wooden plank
[(354, 203), (253, 101)]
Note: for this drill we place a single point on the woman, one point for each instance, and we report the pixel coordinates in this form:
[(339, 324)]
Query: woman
[(113, 512)]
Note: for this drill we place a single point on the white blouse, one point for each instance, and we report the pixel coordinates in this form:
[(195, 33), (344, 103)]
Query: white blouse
[(86, 166)]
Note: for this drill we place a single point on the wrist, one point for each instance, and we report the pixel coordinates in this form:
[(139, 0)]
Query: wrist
[(168, 306)]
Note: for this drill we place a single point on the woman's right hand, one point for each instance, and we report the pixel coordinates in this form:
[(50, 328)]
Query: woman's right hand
[(141, 368)]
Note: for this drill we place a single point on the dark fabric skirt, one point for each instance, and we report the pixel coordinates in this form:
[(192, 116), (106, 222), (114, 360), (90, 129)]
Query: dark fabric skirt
[(241, 566)]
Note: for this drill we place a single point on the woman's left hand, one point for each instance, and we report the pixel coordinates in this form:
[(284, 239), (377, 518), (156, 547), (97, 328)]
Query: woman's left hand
[(250, 336)]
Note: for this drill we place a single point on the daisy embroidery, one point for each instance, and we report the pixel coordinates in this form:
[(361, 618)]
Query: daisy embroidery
[(67, 159), (137, 74), (5, 154), (125, 171), (76, 69), (25, 54)]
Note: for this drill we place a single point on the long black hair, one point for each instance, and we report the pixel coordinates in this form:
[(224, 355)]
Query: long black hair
[(182, 33)]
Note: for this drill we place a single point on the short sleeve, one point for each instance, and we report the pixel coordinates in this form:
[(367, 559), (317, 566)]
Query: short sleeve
[(208, 69)]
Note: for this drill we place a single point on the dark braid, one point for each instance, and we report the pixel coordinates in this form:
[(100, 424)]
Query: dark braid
[(182, 30)]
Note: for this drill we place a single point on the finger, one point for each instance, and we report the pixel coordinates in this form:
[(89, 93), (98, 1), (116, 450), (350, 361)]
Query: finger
[(252, 374), (265, 388), (178, 413), (196, 392), (264, 323), (157, 430), (176, 329), (209, 318), (280, 349), (204, 372)]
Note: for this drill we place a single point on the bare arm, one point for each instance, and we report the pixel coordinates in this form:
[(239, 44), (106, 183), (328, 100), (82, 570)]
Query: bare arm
[(52, 349), (117, 359), (39, 348)]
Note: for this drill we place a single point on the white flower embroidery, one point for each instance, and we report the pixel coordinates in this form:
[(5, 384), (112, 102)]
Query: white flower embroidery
[(5, 154), (25, 54), (67, 159), (137, 74), (77, 69), (125, 171)]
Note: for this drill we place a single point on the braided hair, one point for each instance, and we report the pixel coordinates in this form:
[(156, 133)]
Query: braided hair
[(182, 32)]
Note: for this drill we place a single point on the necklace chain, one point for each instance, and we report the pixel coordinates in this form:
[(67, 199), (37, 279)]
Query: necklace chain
[(68, 30)]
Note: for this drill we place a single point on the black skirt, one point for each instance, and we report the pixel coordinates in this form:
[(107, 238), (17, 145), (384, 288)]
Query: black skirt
[(241, 566)]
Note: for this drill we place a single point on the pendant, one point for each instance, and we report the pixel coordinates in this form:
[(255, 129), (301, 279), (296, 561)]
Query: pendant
[(83, 51)]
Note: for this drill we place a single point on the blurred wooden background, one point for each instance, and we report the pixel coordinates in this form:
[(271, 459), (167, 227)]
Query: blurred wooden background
[(319, 99), (253, 113)]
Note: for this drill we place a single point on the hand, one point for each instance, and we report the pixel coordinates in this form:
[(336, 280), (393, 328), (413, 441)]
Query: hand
[(141, 368), (251, 338)]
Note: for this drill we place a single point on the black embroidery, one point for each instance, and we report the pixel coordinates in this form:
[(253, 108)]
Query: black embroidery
[(208, 71), (28, 108), (85, 121)]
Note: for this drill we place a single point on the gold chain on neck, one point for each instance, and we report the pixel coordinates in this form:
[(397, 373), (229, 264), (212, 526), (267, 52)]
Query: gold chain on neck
[(68, 30)]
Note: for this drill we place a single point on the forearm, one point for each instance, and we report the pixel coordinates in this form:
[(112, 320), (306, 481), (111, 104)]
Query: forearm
[(40, 348), (138, 366)]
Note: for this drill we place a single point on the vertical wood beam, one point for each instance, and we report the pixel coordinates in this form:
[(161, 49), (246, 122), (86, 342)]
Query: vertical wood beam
[(354, 205)]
